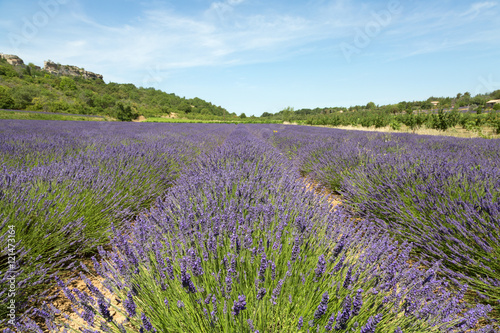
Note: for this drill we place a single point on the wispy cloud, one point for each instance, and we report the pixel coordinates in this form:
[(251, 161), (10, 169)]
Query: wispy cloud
[(478, 8), (172, 40), (426, 29)]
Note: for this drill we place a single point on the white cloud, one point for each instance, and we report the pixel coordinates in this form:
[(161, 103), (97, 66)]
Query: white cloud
[(177, 41), (226, 34), (426, 29), (478, 7)]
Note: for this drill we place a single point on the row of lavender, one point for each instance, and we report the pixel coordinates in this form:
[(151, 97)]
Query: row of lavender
[(240, 244), (440, 193), (63, 184)]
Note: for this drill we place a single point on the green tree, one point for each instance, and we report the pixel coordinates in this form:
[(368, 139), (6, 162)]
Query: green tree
[(394, 109), (243, 116), (370, 106), (427, 105), (496, 107), (185, 107), (7, 70), (23, 96), (286, 113), (440, 121), (453, 118), (124, 112), (6, 100), (67, 84), (381, 121)]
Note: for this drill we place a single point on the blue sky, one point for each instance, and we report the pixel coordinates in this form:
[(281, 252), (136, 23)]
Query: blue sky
[(256, 56)]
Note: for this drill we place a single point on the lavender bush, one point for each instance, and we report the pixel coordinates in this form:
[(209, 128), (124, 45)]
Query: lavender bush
[(240, 244), (61, 186), (442, 194)]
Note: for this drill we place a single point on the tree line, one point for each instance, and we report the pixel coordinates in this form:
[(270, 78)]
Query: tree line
[(469, 112)]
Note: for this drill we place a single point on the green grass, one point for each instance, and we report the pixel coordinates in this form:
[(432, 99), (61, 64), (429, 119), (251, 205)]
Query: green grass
[(44, 116), (208, 121)]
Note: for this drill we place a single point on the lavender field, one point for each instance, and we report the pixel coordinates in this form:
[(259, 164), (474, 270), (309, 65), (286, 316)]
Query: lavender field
[(215, 228)]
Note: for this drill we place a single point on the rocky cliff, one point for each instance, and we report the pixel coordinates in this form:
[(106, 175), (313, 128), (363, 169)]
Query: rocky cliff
[(53, 68), (69, 70), (12, 59)]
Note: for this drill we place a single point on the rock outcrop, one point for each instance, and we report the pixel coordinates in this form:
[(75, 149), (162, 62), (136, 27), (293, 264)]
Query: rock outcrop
[(53, 68), (12, 59), (69, 70)]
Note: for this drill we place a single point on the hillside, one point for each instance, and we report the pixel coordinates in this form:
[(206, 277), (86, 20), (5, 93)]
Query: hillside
[(73, 90)]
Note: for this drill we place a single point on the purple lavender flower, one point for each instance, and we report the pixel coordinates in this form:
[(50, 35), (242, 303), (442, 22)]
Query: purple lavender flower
[(205, 312), (186, 280), (250, 325), (296, 249), (322, 307), (130, 305), (196, 266), (300, 323), (339, 247), (146, 323), (97, 266), (320, 268), (261, 293), (344, 315), (339, 265), (263, 266), (371, 324), (239, 305), (66, 291), (358, 303), (273, 270), (104, 310), (347, 280), (329, 325), (429, 277), (170, 269), (277, 291), (122, 328), (88, 315), (214, 305), (229, 284), (232, 268)]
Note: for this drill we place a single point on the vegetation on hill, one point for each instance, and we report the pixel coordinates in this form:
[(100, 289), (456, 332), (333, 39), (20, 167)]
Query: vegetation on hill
[(31, 88), (468, 112)]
